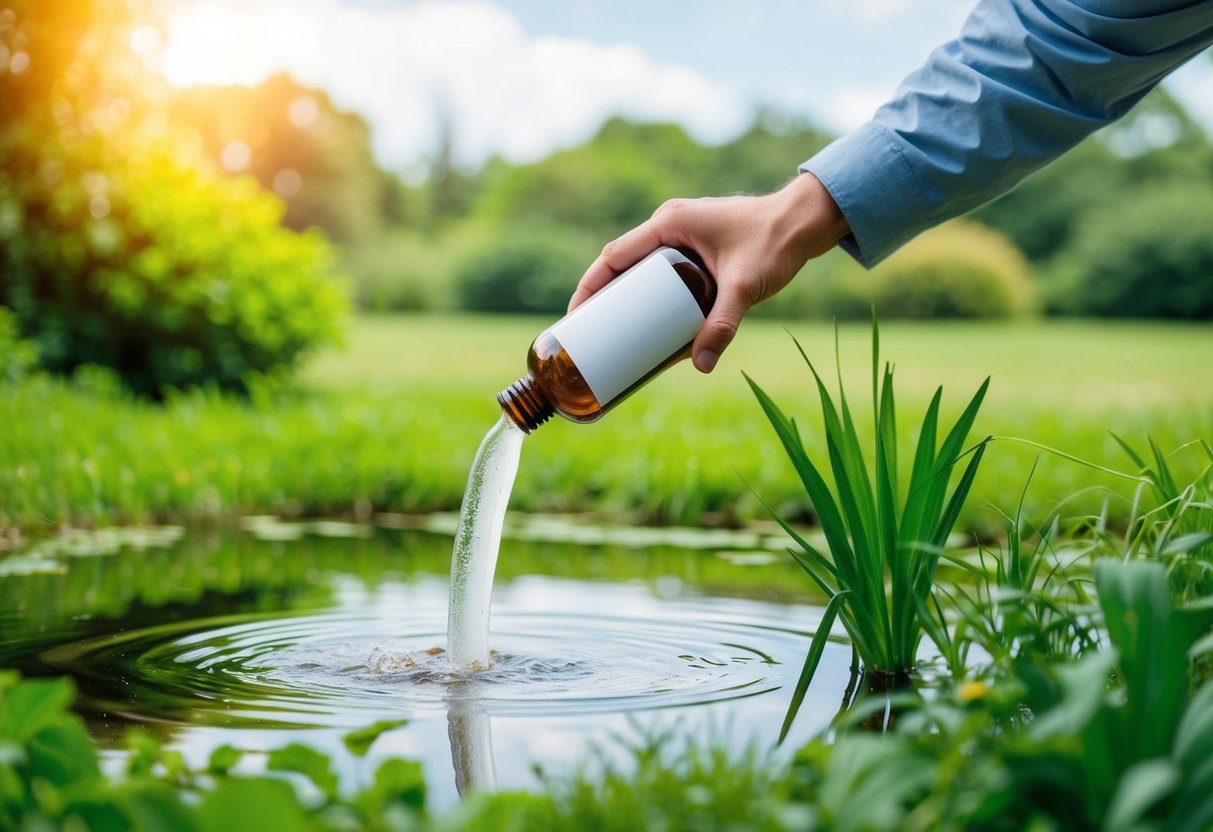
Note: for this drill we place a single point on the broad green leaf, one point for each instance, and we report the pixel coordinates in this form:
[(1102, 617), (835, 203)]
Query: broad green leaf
[(399, 781), (359, 742), (309, 762), (254, 803), (1084, 686), (223, 759), (34, 704), (1140, 788)]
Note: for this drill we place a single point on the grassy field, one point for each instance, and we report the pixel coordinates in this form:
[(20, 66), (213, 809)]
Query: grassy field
[(392, 422)]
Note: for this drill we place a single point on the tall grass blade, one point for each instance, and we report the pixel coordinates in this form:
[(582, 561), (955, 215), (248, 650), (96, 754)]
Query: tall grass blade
[(832, 524), (816, 649)]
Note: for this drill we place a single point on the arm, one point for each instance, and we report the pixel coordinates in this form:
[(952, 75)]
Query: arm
[(1025, 81)]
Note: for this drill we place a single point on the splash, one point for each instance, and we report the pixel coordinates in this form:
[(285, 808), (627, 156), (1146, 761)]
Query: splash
[(477, 540)]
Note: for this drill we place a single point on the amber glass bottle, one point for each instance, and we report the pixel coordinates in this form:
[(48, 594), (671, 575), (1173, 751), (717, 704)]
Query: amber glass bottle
[(629, 331)]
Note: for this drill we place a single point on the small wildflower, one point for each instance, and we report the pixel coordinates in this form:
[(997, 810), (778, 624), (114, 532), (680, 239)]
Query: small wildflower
[(971, 691)]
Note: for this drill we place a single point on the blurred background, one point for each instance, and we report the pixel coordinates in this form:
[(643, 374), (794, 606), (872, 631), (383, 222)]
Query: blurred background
[(197, 195), (476, 155)]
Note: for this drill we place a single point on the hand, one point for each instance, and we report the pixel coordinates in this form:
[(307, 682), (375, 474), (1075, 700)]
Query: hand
[(752, 245)]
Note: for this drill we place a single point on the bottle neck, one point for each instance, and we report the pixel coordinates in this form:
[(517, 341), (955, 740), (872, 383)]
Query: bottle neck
[(525, 404)]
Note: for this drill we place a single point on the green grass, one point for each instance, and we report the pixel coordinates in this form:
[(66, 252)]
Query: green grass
[(883, 547), (394, 421)]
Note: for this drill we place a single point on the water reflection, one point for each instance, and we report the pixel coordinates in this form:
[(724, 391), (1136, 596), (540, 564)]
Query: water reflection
[(471, 731)]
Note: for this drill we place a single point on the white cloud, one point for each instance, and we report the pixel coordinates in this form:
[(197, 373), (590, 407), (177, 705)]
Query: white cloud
[(852, 106), (506, 92)]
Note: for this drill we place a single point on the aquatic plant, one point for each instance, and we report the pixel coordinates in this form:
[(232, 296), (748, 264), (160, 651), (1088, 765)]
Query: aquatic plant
[(879, 571), (1178, 530), (1026, 598), (1117, 738)]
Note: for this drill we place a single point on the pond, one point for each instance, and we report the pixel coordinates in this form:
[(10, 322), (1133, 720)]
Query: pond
[(284, 632)]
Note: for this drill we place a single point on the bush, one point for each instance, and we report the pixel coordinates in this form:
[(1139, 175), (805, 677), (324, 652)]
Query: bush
[(959, 270), (128, 258), (530, 268), (405, 271), (1146, 257)]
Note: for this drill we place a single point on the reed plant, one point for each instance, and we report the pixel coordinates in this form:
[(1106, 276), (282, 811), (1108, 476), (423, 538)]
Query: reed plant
[(1177, 529), (1028, 599), (884, 535)]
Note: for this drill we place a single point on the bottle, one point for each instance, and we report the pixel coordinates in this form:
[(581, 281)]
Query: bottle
[(629, 331)]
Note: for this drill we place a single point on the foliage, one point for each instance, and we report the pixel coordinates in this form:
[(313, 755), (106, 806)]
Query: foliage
[(295, 142), (52, 779), (601, 188), (1026, 602), (882, 554), (144, 265), (402, 271), (1157, 142), (530, 269), (116, 246), (960, 270), (17, 357), (377, 428), (1046, 746), (1178, 529), (670, 783), (1151, 257)]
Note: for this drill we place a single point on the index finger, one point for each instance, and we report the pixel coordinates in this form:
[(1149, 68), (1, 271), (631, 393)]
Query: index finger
[(617, 256)]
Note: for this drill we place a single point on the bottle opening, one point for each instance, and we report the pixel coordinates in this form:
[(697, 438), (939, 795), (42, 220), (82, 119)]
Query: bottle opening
[(525, 403)]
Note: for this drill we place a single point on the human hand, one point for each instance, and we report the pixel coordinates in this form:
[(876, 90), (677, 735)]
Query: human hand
[(752, 245)]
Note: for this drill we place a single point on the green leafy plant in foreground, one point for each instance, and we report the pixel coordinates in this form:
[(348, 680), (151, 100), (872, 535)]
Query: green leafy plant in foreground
[(880, 571), (1119, 739), (51, 778)]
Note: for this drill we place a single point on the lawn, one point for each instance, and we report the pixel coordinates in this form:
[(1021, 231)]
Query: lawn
[(391, 423)]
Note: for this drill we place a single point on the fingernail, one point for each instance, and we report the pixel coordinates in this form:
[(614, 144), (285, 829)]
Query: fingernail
[(706, 361)]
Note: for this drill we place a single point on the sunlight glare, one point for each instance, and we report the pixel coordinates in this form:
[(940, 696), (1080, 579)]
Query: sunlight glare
[(221, 43)]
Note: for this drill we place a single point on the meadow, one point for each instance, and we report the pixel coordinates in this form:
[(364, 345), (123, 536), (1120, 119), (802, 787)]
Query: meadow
[(391, 422)]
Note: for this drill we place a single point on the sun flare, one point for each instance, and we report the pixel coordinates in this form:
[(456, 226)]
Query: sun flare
[(222, 43)]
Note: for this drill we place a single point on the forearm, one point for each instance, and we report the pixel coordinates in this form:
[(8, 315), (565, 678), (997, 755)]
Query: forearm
[(1023, 83)]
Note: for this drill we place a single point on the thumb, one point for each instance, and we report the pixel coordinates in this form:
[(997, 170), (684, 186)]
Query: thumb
[(718, 330)]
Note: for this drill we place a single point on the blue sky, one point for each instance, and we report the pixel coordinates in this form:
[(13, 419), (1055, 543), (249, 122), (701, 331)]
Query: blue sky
[(522, 78)]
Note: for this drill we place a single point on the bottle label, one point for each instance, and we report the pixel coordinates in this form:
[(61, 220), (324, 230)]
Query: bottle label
[(628, 327)]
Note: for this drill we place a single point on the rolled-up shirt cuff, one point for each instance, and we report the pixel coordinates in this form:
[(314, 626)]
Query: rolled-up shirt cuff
[(874, 187)]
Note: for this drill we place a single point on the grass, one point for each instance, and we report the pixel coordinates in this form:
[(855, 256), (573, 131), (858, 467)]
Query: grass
[(394, 421), (879, 568)]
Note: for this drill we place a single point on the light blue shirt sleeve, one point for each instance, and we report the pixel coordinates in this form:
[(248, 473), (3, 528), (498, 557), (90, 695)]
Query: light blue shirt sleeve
[(1025, 81)]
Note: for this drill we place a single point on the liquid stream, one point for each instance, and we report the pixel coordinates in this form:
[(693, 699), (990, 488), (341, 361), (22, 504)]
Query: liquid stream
[(477, 541)]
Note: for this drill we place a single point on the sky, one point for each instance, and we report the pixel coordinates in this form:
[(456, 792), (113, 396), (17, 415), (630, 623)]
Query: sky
[(522, 78)]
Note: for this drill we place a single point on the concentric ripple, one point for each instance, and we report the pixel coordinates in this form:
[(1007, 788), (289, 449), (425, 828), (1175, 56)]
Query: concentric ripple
[(345, 667)]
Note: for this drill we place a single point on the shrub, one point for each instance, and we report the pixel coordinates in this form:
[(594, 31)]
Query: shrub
[(530, 268), (959, 270), (129, 258), (1147, 257), (405, 271)]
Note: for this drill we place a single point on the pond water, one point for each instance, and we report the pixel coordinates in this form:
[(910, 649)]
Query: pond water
[(303, 632)]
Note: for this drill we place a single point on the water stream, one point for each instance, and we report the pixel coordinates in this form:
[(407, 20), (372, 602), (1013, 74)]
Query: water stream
[(474, 559)]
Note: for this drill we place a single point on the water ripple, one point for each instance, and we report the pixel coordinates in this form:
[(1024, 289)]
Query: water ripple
[(344, 667)]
